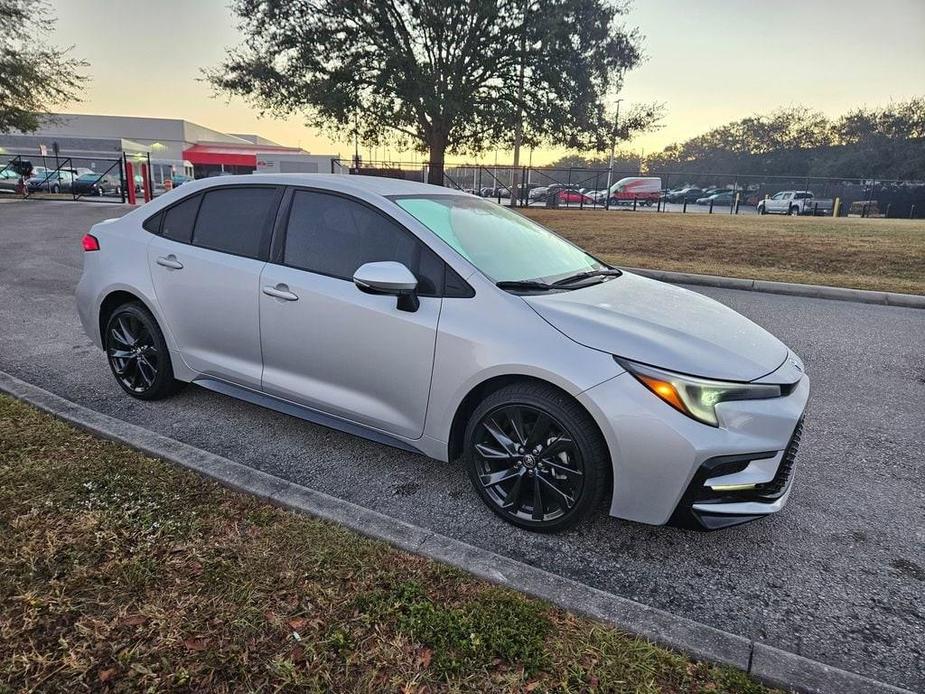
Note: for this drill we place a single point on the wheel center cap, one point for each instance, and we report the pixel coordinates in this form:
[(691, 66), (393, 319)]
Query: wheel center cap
[(529, 461)]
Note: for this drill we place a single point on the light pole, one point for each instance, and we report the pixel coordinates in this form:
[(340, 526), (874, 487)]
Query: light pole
[(613, 148)]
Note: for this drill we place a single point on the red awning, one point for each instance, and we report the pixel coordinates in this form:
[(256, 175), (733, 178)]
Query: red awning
[(213, 154)]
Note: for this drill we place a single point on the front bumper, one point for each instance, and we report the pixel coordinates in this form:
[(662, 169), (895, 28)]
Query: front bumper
[(730, 490), (662, 458)]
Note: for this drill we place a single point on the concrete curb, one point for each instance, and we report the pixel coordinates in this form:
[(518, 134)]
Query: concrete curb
[(768, 664), (815, 291)]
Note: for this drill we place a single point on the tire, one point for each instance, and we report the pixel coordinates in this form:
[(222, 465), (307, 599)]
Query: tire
[(137, 353), (506, 457), (56, 189), (794, 211), (762, 209)]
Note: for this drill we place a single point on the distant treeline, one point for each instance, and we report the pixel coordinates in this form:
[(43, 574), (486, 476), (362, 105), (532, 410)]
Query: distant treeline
[(885, 143)]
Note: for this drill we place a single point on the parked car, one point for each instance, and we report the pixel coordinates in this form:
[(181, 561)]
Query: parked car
[(725, 198), (9, 180), (537, 194), (542, 193), (681, 195), (446, 324), (795, 202), (574, 197), (179, 179), (51, 182), (97, 184)]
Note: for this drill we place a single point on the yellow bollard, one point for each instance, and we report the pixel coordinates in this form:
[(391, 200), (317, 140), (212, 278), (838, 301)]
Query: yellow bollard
[(836, 207)]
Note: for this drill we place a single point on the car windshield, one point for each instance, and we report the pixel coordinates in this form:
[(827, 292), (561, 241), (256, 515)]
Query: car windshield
[(505, 246)]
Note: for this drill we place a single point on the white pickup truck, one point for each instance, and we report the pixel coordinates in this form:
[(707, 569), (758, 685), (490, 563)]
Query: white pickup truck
[(794, 202)]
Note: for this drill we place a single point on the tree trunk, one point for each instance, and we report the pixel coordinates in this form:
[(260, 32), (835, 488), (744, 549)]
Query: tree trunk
[(437, 156)]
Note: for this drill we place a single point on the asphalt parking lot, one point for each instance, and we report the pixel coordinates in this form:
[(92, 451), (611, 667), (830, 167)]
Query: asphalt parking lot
[(838, 576)]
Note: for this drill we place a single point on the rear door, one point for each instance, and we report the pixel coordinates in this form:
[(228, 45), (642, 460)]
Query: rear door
[(329, 346), (205, 266)]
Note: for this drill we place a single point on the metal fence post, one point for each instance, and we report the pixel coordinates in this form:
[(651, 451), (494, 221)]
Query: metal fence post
[(524, 192), (684, 208), (634, 202), (711, 204), (122, 179)]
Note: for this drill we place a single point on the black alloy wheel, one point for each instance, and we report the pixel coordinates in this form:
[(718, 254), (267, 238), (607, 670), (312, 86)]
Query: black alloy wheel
[(138, 354), (535, 457)]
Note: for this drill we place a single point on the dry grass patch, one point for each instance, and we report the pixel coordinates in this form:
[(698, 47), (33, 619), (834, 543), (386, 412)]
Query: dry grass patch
[(879, 254), (119, 572)]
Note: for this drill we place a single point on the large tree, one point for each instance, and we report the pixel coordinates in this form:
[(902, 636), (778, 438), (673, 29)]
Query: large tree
[(34, 76), (441, 76)]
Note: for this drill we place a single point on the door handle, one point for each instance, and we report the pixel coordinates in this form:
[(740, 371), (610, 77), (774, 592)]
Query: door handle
[(170, 262), (281, 291)]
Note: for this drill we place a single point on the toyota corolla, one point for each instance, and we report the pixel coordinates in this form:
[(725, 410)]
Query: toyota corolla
[(445, 324)]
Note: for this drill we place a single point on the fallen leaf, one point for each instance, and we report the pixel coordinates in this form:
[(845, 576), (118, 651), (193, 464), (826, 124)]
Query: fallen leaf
[(195, 644), (297, 623), (426, 655), (106, 675), (134, 620), (531, 686)]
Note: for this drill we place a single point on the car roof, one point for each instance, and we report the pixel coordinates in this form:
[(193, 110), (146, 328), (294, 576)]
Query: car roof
[(377, 185)]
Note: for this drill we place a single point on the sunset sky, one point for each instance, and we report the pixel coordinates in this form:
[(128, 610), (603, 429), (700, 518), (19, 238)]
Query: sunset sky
[(709, 63)]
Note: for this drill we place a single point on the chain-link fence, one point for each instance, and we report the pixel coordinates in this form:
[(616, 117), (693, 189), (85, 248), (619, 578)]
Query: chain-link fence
[(667, 191)]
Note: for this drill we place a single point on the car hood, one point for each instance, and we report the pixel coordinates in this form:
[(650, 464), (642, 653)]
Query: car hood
[(663, 325)]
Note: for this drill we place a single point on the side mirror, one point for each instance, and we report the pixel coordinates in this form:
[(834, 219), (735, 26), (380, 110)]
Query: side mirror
[(390, 278)]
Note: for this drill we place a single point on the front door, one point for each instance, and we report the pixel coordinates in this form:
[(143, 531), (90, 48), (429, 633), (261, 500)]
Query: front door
[(205, 266), (331, 347)]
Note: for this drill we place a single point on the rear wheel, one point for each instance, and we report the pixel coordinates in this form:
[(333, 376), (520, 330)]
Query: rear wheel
[(138, 354), (536, 457), (794, 211)]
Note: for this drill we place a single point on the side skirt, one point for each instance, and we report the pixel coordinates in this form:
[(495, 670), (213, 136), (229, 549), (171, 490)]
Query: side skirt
[(308, 414)]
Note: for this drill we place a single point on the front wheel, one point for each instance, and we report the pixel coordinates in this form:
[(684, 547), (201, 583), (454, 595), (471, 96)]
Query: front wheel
[(138, 354), (536, 457), (794, 211)]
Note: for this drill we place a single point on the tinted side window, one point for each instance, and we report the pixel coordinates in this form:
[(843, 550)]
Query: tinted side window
[(334, 236), (153, 224), (178, 220), (234, 220)]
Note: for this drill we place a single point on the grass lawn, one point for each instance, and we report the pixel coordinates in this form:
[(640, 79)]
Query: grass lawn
[(121, 572), (882, 254)]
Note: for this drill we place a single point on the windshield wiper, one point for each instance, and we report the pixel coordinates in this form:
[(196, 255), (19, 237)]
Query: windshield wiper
[(524, 284), (578, 277)]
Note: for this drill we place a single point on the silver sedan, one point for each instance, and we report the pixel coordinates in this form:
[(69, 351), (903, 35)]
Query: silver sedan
[(443, 323)]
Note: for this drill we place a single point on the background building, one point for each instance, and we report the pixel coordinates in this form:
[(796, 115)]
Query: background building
[(175, 146)]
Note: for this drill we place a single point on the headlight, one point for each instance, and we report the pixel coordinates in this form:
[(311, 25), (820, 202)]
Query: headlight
[(696, 397)]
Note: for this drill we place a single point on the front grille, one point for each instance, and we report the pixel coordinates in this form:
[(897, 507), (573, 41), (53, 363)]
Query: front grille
[(777, 485)]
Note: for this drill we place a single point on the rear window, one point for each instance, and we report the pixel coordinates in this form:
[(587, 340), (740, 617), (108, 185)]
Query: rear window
[(235, 220)]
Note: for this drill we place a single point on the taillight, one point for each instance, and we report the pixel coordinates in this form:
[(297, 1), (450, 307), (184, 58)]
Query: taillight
[(90, 243)]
